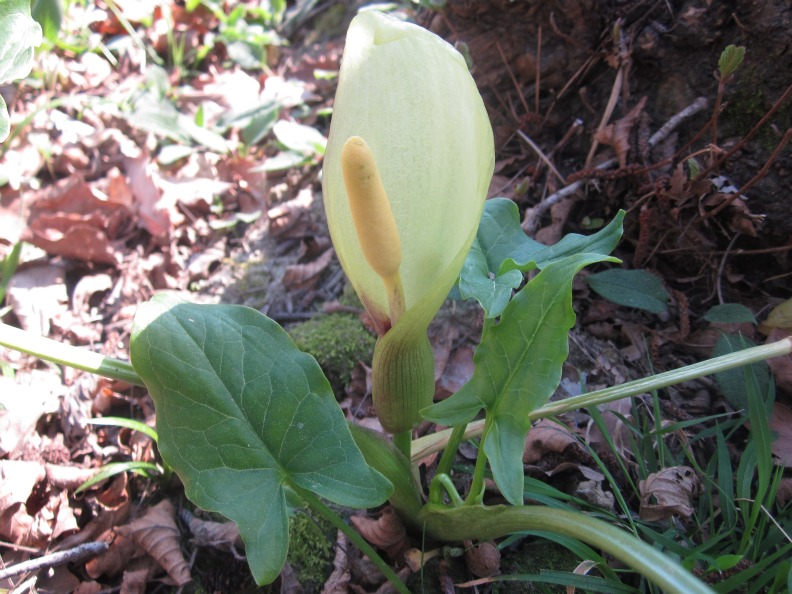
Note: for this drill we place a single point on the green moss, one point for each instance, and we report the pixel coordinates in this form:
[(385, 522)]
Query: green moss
[(531, 557), (311, 550), (338, 342), (746, 104)]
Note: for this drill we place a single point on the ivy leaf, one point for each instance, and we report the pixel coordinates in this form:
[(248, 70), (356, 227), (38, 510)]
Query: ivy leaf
[(517, 368), (19, 34), (730, 313), (242, 414), (499, 238), (502, 251), (633, 288)]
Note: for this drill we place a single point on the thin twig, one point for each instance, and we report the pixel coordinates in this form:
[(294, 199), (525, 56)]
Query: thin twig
[(541, 155), (722, 266), (744, 140), (75, 555), (538, 77), (750, 184), (513, 78), (614, 97), (533, 215)]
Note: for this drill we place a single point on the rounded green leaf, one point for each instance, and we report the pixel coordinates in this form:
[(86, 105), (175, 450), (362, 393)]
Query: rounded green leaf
[(241, 415)]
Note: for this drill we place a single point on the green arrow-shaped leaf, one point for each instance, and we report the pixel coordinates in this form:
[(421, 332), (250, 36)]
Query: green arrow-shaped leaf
[(517, 368), (241, 415), (502, 251)]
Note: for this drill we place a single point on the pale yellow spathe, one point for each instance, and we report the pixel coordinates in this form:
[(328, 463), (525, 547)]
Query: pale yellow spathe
[(409, 95)]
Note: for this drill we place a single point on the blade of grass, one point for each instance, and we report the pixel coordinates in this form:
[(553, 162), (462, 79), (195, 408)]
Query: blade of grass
[(114, 468), (127, 423), (587, 583)]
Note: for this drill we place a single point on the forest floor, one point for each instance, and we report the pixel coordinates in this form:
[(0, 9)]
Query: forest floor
[(155, 148)]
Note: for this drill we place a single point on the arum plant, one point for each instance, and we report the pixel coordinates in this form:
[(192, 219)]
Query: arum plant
[(406, 172), (249, 422)]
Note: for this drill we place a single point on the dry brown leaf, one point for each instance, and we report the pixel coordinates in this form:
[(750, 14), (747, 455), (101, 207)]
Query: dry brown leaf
[(442, 336), (302, 276), (68, 477), (592, 492), (781, 427), (17, 480), (338, 582), (85, 289), (57, 579), (116, 559), (157, 533), (116, 495), (157, 216), (617, 134), (546, 437), (198, 193), (89, 587), (559, 213), (289, 219), (387, 532), (614, 426), (23, 400), (135, 580), (669, 492), (220, 535), (784, 493), (73, 219), (457, 372), (64, 521), (38, 294)]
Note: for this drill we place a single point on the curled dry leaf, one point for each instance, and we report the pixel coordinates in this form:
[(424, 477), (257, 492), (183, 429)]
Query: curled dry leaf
[(781, 427), (669, 492), (135, 580), (290, 218), (617, 134), (592, 492), (416, 558), (612, 413), (338, 582), (546, 437), (157, 533), (784, 493), (220, 535), (17, 480), (387, 532), (482, 559), (73, 219), (68, 477), (303, 276), (116, 559)]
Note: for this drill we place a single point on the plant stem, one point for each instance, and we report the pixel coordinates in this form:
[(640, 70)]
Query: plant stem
[(64, 354), (468, 522), (447, 459), (403, 441), (477, 483), (437, 441), (319, 507)]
